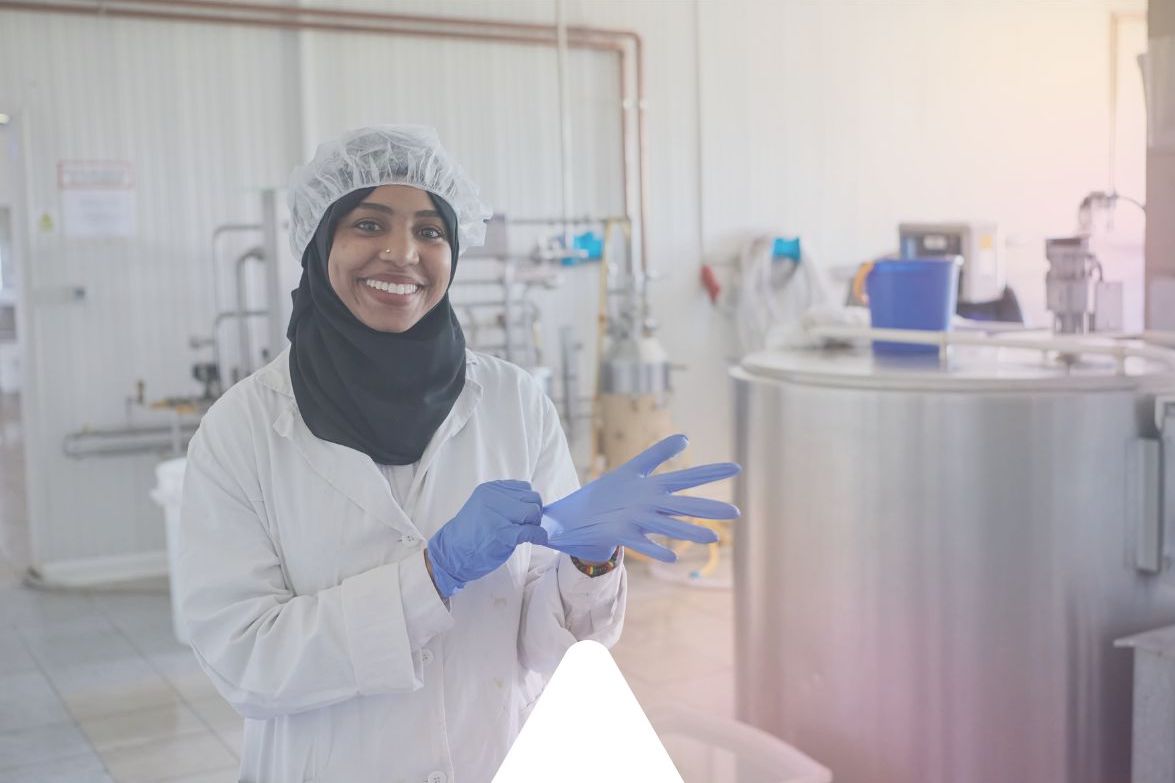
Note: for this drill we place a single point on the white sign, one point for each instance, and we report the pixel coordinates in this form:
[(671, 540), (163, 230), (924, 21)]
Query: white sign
[(97, 198)]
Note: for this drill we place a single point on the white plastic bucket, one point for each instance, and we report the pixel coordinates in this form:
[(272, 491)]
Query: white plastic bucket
[(706, 749), (168, 492)]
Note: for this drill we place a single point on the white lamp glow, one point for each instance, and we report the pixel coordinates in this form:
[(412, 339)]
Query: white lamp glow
[(587, 726)]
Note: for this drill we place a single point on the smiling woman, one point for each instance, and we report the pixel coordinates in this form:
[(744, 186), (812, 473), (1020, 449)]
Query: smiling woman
[(362, 569)]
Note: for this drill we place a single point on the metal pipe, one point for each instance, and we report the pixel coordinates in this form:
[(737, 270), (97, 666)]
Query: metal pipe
[(245, 340), (343, 13), (275, 334), (112, 9), (217, 233), (128, 440), (568, 345), (497, 303), (575, 221), (508, 309), (564, 120)]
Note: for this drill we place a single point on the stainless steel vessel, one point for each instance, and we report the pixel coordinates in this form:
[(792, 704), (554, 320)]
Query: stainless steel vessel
[(933, 563)]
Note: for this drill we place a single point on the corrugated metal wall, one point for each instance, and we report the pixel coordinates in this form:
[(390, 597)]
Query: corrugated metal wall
[(198, 111)]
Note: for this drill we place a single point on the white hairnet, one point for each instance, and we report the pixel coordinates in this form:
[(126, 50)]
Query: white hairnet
[(382, 155)]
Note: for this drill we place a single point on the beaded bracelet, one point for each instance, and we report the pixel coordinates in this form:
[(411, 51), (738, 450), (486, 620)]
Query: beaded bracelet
[(598, 569)]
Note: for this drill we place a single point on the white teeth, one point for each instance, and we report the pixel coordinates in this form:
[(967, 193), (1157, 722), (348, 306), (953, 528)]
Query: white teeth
[(393, 288)]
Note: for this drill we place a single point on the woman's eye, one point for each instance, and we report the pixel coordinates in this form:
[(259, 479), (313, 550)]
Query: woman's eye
[(428, 232), (367, 225)]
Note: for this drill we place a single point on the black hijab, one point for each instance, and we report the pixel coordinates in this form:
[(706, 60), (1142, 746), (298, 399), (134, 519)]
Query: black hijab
[(381, 393)]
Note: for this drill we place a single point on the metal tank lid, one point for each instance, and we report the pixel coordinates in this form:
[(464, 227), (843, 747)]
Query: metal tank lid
[(966, 369)]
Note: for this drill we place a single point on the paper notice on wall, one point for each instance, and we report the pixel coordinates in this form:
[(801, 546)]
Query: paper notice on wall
[(97, 198)]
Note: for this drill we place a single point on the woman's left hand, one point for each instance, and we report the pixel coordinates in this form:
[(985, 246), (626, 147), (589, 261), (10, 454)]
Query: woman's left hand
[(623, 507)]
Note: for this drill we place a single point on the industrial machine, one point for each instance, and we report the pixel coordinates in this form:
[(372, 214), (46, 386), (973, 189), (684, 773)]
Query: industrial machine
[(983, 291), (1079, 298), (1078, 293), (935, 558), (982, 277)]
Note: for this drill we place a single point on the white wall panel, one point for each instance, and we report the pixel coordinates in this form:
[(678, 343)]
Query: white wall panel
[(200, 114), (495, 106)]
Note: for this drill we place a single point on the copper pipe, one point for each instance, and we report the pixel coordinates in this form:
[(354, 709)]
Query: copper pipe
[(579, 37), (330, 13), (284, 25)]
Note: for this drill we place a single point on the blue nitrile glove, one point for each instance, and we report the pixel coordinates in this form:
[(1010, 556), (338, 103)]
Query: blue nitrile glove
[(498, 516), (622, 507)]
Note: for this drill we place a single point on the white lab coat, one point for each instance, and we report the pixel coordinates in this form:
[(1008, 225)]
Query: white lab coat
[(305, 593)]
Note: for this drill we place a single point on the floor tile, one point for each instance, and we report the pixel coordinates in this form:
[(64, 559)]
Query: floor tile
[(711, 693), (183, 673), (110, 687), (217, 713), (226, 775), (28, 699), (233, 739), (716, 602), (145, 618), (86, 768), (14, 656), (77, 643), (135, 728), (151, 640), (125, 607), (42, 744), (170, 758), (26, 607)]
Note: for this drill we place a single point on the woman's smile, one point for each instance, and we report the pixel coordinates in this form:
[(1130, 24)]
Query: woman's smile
[(392, 290)]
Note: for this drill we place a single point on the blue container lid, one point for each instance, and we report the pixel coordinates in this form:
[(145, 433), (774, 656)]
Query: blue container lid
[(920, 264)]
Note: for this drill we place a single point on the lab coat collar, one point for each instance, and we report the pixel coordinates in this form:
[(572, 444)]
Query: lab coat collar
[(352, 472)]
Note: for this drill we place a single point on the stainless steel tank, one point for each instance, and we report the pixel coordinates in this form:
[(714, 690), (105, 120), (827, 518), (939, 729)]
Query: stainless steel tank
[(933, 563)]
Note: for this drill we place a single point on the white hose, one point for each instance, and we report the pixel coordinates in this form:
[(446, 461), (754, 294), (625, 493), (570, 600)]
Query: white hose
[(765, 294)]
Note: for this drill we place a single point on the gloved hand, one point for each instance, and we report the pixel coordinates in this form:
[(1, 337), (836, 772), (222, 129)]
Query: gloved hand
[(498, 516), (622, 507)]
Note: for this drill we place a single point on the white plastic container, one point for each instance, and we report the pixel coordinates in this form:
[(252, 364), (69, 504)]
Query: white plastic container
[(706, 749), (168, 492)]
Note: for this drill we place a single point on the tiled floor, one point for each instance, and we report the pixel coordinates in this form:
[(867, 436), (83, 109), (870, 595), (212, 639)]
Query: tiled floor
[(94, 687)]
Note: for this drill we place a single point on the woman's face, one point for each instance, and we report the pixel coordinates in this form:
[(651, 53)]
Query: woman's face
[(390, 260)]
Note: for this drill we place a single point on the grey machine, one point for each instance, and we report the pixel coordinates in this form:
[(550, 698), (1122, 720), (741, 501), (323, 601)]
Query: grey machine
[(934, 562)]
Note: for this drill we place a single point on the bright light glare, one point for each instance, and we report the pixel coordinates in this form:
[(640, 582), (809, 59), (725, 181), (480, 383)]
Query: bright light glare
[(587, 727)]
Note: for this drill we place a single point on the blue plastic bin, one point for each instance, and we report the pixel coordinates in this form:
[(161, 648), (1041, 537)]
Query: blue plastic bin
[(912, 293)]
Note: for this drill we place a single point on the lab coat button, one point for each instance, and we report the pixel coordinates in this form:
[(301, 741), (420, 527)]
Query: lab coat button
[(426, 657), (409, 540), (437, 777)]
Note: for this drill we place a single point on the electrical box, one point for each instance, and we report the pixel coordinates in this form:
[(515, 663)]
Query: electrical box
[(982, 276)]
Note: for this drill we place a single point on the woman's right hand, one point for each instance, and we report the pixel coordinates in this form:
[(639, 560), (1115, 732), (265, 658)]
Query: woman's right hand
[(498, 516)]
